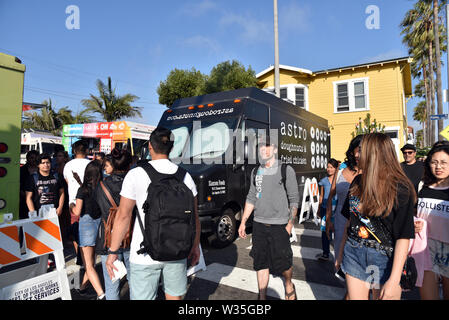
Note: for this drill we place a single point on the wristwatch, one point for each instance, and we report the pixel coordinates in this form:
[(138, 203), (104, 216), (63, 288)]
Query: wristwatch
[(113, 252)]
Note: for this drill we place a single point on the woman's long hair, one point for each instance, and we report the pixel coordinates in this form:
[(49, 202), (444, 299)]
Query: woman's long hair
[(350, 157), (92, 177), (428, 176), (381, 176)]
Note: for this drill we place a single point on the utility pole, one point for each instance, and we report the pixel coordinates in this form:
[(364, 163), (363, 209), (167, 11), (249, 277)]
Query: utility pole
[(447, 56), (277, 85)]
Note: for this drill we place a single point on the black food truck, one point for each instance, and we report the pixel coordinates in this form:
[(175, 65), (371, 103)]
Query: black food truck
[(216, 142)]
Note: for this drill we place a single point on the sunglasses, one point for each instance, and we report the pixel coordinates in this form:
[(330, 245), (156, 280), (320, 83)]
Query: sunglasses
[(408, 152)]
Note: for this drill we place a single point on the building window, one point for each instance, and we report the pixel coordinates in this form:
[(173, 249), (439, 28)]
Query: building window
[(299, 97), (283, 93), (351, 95), (343, 99), (296, 94)]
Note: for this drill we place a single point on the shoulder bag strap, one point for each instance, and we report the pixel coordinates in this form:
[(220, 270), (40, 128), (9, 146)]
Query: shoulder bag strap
[(108, 195)]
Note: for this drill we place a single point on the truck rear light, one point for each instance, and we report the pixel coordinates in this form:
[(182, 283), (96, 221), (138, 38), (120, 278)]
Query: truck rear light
[(191, 107), (3, 147), (201, 106), (2, 204), (3, 172), (237, 100), (210, 105)]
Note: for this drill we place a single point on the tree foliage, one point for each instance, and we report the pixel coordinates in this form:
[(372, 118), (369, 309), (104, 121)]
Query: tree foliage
[(48, 119), (228, 75), (111, 106), (367, 126), (181, 84)]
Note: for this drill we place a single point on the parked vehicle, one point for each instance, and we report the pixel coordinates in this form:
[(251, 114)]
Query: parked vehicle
[(216, 141), (43, 142), (11, 90)]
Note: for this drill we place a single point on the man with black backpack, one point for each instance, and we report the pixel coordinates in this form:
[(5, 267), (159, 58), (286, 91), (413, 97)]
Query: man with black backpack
[(167, 231), (274, 197)]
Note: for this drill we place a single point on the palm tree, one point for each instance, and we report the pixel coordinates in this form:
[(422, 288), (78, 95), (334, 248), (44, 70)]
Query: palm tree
[(438, 64), (111, 106), (47, 119), (420, 114), (417, 28)]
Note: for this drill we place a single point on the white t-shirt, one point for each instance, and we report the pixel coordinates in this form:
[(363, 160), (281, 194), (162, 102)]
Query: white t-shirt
[(135, 187), (78, 166)]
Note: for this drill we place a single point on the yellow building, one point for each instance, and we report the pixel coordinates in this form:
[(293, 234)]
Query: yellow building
[(343, 95)]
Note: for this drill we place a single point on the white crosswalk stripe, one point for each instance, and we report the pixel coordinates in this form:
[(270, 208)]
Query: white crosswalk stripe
[(246, 279)]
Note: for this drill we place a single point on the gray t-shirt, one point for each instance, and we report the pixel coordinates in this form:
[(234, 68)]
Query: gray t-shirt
[(268, 194)]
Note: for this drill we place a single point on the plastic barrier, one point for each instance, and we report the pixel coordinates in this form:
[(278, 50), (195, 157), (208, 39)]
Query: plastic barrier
[(310, 201), (24, 249)]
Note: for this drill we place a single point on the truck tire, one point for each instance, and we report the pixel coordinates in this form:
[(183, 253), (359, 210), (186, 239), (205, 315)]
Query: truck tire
[(225, 229)]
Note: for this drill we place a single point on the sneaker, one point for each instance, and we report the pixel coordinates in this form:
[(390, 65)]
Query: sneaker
[(323, 257), (102, 297)]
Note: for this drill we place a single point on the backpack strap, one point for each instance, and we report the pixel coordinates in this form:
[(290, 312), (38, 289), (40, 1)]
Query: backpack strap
[(180, 174), (35, 177), (284, 174), (108, 195), (253, 173), (152, 173)]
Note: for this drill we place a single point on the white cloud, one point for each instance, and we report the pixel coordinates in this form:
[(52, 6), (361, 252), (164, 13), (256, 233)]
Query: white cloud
[(292, 17), (196, 8), (248, 28), (391, 54), (202, 42)]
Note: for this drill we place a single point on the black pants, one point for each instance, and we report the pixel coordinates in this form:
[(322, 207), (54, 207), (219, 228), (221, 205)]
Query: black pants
[(271, 248)]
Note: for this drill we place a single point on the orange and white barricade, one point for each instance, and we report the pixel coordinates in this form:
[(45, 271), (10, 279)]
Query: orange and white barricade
[(24, 249), (310, 201)]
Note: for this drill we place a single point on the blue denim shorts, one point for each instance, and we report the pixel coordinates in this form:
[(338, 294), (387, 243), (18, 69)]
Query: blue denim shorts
[(144, 279), (88, 229), (367, 264)]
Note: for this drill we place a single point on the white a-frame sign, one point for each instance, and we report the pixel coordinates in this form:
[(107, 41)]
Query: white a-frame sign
[(310, 201)]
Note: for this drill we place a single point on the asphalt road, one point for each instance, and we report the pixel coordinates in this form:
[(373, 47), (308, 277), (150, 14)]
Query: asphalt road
[(229, 273)]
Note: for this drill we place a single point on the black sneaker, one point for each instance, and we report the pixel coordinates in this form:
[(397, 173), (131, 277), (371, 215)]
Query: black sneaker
[(102, 297), (323, 257)]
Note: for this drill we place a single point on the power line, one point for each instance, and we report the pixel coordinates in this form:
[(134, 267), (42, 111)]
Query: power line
[(72, 70), (71, 95)]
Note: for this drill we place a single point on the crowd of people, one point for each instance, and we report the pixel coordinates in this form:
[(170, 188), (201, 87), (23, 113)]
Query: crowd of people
[(376, 211), (379, 212)]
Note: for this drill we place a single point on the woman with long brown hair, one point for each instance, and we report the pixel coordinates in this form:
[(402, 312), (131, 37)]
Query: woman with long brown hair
[(379, 208)]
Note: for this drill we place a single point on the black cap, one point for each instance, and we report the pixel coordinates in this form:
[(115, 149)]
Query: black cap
[(408, 146)]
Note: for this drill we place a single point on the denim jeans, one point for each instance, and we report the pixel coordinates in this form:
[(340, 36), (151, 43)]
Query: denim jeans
[(112, 290)]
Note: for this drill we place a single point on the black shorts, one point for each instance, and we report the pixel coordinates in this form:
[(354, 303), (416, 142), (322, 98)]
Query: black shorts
[(271, 248)]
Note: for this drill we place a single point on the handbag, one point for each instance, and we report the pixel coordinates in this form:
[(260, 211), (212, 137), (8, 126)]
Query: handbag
[(409, 272)]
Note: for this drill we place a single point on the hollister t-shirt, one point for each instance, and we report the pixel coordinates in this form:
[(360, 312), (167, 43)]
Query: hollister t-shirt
[(135, 186), (433, 206)]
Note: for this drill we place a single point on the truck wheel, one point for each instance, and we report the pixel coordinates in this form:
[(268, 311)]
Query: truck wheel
[(225, 227)]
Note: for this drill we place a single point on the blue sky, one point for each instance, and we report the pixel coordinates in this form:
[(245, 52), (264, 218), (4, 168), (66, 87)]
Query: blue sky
[(138, 42)]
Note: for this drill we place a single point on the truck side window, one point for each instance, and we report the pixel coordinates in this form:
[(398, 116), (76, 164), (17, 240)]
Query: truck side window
[(256, 111)]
